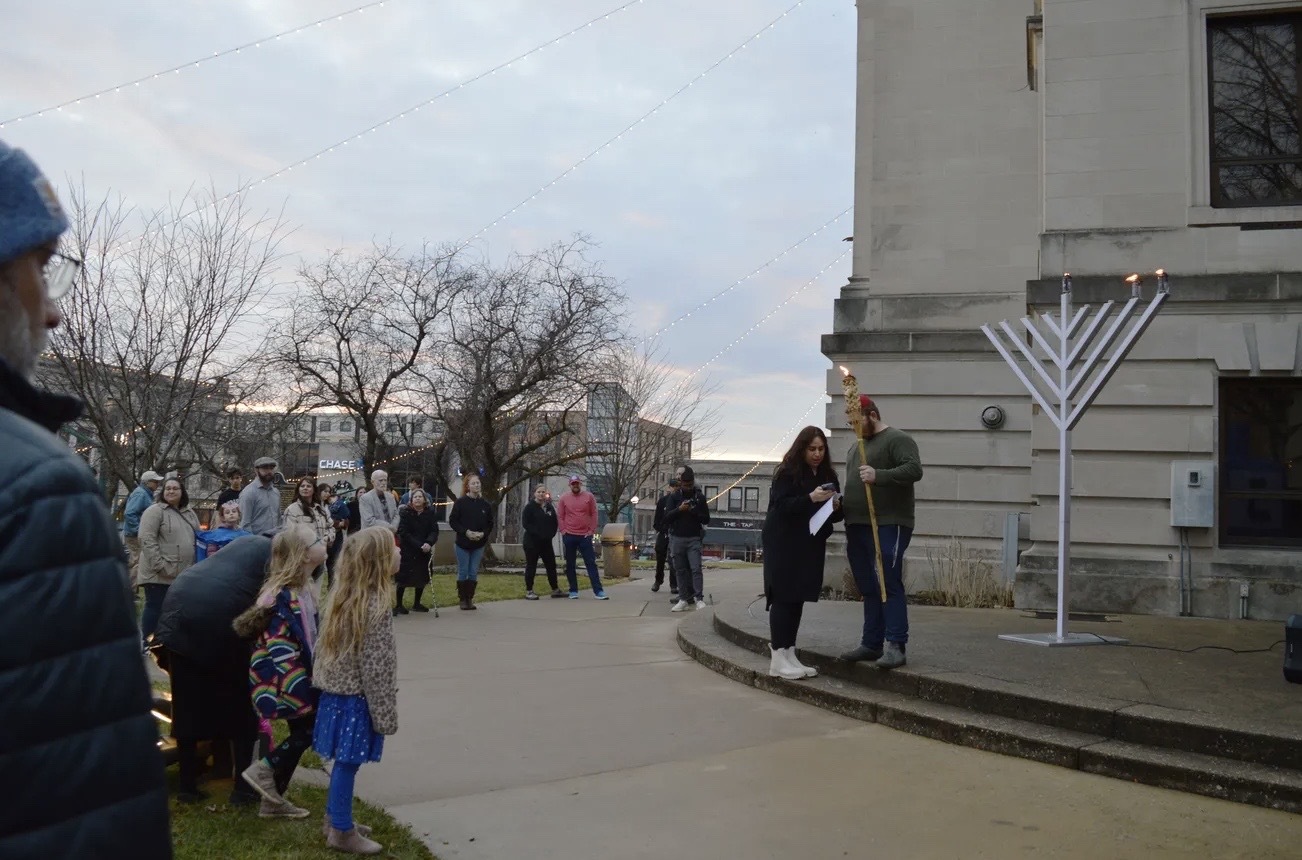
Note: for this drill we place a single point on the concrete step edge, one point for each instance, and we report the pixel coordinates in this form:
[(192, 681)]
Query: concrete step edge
[(1147, 725), (701, 637)]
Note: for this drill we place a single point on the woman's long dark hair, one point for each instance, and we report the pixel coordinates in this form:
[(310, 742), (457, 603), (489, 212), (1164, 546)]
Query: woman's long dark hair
[(793, 462), (312, 503)]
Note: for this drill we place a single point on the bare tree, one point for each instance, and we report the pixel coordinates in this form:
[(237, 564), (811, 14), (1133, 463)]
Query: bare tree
[(525, 344), (360, 327), (159, 336), (642, 423)]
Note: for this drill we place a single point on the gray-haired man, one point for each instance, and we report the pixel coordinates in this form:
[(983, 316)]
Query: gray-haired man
[(379, 507)]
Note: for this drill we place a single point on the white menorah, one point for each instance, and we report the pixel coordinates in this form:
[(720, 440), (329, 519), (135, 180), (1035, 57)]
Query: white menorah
[(1065, 395)]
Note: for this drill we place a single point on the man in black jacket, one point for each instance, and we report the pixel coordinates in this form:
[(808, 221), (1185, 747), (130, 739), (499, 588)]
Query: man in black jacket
[(662, 542), (687, 515), (539, 522), (77, 741)]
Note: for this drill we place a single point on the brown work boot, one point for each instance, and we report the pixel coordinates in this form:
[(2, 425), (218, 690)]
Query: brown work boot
[(352, 842)]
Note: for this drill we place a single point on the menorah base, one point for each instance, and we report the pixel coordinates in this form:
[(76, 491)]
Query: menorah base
[(1051, 640)]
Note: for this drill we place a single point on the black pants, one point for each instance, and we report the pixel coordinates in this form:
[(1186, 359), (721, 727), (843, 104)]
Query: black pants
[(284, 758), (534, 551), (784, 623), (662, 556)]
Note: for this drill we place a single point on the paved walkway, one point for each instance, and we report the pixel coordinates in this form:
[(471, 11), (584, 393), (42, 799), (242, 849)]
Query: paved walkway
[(579, 729)]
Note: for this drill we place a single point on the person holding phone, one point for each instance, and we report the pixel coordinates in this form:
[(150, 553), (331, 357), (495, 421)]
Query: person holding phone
[(686, 516), (793, 558)]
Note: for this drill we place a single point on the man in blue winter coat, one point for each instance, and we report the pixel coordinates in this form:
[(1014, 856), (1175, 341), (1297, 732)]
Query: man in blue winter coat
[(137, 503), (78, 744)]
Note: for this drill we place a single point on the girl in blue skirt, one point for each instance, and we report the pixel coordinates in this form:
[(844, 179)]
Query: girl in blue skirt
[(356, 669)]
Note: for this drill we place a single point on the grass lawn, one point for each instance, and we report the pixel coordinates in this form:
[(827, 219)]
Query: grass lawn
[(213, 829), (494, 586)]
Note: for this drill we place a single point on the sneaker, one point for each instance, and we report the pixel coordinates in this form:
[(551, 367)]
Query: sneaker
[(558, 593), (352, 842), (700, 604), (601, 595), (284, 809), (574, 595), (529, 595), (680, 606), (655, 586), (262, 779)]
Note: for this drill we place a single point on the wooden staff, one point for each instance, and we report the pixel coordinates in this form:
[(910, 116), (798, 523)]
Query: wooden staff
[(854, 415)]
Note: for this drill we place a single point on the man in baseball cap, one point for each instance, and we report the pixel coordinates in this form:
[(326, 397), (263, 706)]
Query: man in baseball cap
[(86, 746), (576, 514)]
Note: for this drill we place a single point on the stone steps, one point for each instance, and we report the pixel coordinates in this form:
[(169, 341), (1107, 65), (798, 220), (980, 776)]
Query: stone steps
[(1141, 743)]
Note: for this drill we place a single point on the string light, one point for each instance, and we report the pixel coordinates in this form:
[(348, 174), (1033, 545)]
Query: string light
[(712, 299), (684, 88), (768, 316), (781, 440), (190, 65), (402, 115)]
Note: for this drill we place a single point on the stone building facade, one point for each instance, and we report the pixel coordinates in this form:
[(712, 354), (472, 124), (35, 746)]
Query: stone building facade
[(1001, 143)]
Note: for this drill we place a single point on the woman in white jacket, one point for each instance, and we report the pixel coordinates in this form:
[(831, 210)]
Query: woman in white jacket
[(167, 533), (307, 510)]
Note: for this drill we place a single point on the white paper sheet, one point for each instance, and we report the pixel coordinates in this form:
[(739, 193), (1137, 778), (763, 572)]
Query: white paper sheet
[(821, 516)]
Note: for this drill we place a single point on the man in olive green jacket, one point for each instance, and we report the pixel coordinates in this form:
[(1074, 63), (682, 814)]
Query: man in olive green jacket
[(892, 468)]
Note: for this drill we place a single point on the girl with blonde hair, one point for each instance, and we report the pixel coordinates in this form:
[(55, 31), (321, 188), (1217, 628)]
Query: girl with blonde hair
[(283, 623), (357, 673)]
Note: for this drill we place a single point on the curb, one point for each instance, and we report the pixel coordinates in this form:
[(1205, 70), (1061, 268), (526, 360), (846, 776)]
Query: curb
[(1140, 743)]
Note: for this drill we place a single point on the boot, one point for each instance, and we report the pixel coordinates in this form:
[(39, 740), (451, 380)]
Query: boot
[(780, 668), (352, 842), (463, 593), (362, 829), (892, 657), (810, 671), (472, 585), (861, 653)]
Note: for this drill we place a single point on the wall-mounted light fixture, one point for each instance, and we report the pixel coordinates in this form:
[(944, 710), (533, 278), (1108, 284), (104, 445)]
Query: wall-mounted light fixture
[(993, 417)]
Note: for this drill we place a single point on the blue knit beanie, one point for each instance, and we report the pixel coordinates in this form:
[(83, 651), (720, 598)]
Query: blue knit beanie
[(30, 214)]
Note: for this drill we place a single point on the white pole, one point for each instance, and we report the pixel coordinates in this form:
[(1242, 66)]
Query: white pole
[(1064, 467)]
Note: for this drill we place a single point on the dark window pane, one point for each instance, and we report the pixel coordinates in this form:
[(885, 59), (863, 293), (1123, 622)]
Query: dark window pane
[(1261, 461), (1256, 149)]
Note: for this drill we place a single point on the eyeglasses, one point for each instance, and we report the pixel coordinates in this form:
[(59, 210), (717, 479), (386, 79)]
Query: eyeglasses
[(59, 273)]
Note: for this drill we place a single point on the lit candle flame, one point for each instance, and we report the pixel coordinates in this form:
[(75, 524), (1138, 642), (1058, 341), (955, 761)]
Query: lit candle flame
[(1133, 279), (845, 371), (1161, 273)]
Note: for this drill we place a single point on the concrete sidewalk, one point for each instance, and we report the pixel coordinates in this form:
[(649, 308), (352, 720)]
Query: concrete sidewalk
[(1194, 704), (579, 729)]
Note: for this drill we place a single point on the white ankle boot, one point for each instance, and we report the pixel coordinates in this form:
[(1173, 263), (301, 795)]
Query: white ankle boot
[(810, 671), (780, 667)]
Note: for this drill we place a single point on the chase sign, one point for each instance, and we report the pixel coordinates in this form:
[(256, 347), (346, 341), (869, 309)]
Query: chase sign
[(340, 465)]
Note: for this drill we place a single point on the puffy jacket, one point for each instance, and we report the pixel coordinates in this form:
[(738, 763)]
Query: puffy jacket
[(167, 538), (77, 741), (206, 598)]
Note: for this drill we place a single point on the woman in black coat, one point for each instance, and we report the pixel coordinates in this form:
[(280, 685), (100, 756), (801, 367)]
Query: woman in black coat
[(539, 522), (418, 532), (793, 558)]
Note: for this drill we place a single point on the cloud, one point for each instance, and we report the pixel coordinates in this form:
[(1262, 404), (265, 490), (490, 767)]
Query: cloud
[(739, 167)]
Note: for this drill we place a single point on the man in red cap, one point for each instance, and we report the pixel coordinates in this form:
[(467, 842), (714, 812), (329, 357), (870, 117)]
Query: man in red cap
[(892, 468), (576, 512)]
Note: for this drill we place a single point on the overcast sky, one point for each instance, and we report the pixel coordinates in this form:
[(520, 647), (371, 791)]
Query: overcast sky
[(739, 167)]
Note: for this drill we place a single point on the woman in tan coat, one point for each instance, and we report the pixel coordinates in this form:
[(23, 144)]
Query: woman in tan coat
[(167, 544), (307, 510)]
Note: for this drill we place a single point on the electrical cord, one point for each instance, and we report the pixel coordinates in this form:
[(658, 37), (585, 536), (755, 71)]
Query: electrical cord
[(1265, 650)]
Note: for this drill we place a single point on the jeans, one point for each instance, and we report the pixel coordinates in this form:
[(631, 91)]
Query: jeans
[(468, 564), (154, 594), (339, 801), (575, 544), (784, 624), (890, 622), (686, 552), (662, 556), (534, 550)]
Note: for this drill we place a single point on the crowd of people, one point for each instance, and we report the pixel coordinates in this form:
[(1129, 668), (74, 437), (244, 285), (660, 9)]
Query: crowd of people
[(237, 615)]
